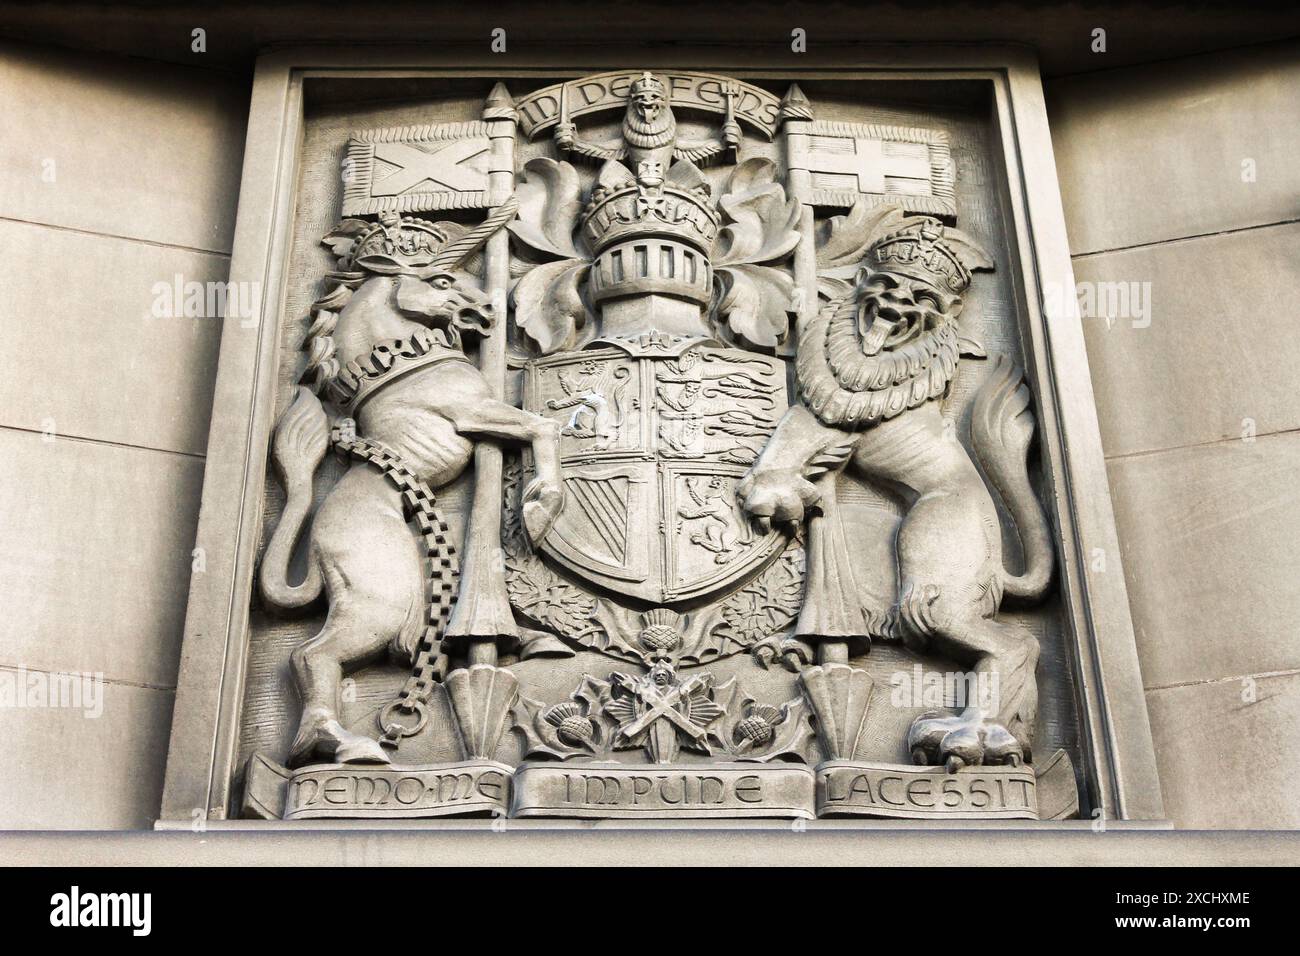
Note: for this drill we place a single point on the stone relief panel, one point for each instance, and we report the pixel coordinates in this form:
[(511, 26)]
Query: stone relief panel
[(654, 445)]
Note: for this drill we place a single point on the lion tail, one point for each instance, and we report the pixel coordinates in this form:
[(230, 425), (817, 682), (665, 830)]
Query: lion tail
[(1002, 428), (301, 440)]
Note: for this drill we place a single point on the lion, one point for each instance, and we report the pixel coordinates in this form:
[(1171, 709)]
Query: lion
[(872, 367), (386, 348)]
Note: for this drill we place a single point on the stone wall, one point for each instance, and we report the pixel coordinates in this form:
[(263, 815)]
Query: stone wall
[(1183, 175), (116, 175)]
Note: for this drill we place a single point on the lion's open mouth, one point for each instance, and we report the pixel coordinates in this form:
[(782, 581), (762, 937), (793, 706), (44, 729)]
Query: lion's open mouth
[(887, 323)]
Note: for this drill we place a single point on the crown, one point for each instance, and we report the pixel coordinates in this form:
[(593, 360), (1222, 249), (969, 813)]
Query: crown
[(650, 239), (396, 245), (631, 212), (918, 249), (648, 82)]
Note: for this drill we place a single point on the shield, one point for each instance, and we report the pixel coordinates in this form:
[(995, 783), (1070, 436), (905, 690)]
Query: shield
[(656, 434)]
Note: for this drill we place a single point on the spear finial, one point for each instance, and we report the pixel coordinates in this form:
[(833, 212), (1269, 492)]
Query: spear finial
[(795, 106), (499, 104)]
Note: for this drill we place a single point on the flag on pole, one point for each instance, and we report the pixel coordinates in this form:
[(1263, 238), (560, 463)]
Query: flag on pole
[(417, 169), (848, 162)]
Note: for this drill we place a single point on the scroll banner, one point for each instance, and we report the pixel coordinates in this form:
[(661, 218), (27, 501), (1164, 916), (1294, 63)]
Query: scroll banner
[(417, 169), (847, 162), (855, 788), (837, 788), (540, 111), (683, 791), (375, 791)]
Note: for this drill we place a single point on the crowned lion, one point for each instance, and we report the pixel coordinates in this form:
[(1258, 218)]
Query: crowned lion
[(872, 368)]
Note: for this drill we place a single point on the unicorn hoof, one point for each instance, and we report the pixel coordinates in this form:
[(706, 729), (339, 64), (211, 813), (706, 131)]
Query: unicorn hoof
[(357, 749), (542, 505)]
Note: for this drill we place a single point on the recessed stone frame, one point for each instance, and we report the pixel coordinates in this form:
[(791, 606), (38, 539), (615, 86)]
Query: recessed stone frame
[(998, 89)]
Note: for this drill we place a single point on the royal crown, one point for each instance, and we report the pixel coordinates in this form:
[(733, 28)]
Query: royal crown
[(396, 245), (631, 211), (648, 83), (918, 249), (651, 240)]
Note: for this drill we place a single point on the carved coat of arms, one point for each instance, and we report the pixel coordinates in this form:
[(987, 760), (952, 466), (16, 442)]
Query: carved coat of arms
[(657, 432), (671, 365)]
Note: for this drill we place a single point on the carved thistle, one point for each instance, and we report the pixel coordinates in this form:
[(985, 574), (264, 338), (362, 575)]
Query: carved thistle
[(606, 421)]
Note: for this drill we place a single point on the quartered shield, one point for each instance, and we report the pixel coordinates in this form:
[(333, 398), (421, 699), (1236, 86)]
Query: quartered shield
[(657, 432)]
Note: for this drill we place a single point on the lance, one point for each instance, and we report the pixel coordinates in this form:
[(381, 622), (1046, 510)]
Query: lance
[(482, 617), (795, 117)]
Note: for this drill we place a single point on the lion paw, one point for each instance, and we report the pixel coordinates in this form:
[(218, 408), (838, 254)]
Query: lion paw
[(777, 496), (966, 739), (793, 654)]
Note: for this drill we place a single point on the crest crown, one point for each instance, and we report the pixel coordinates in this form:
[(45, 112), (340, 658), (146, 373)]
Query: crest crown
[(648, 83), (918, 249)]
